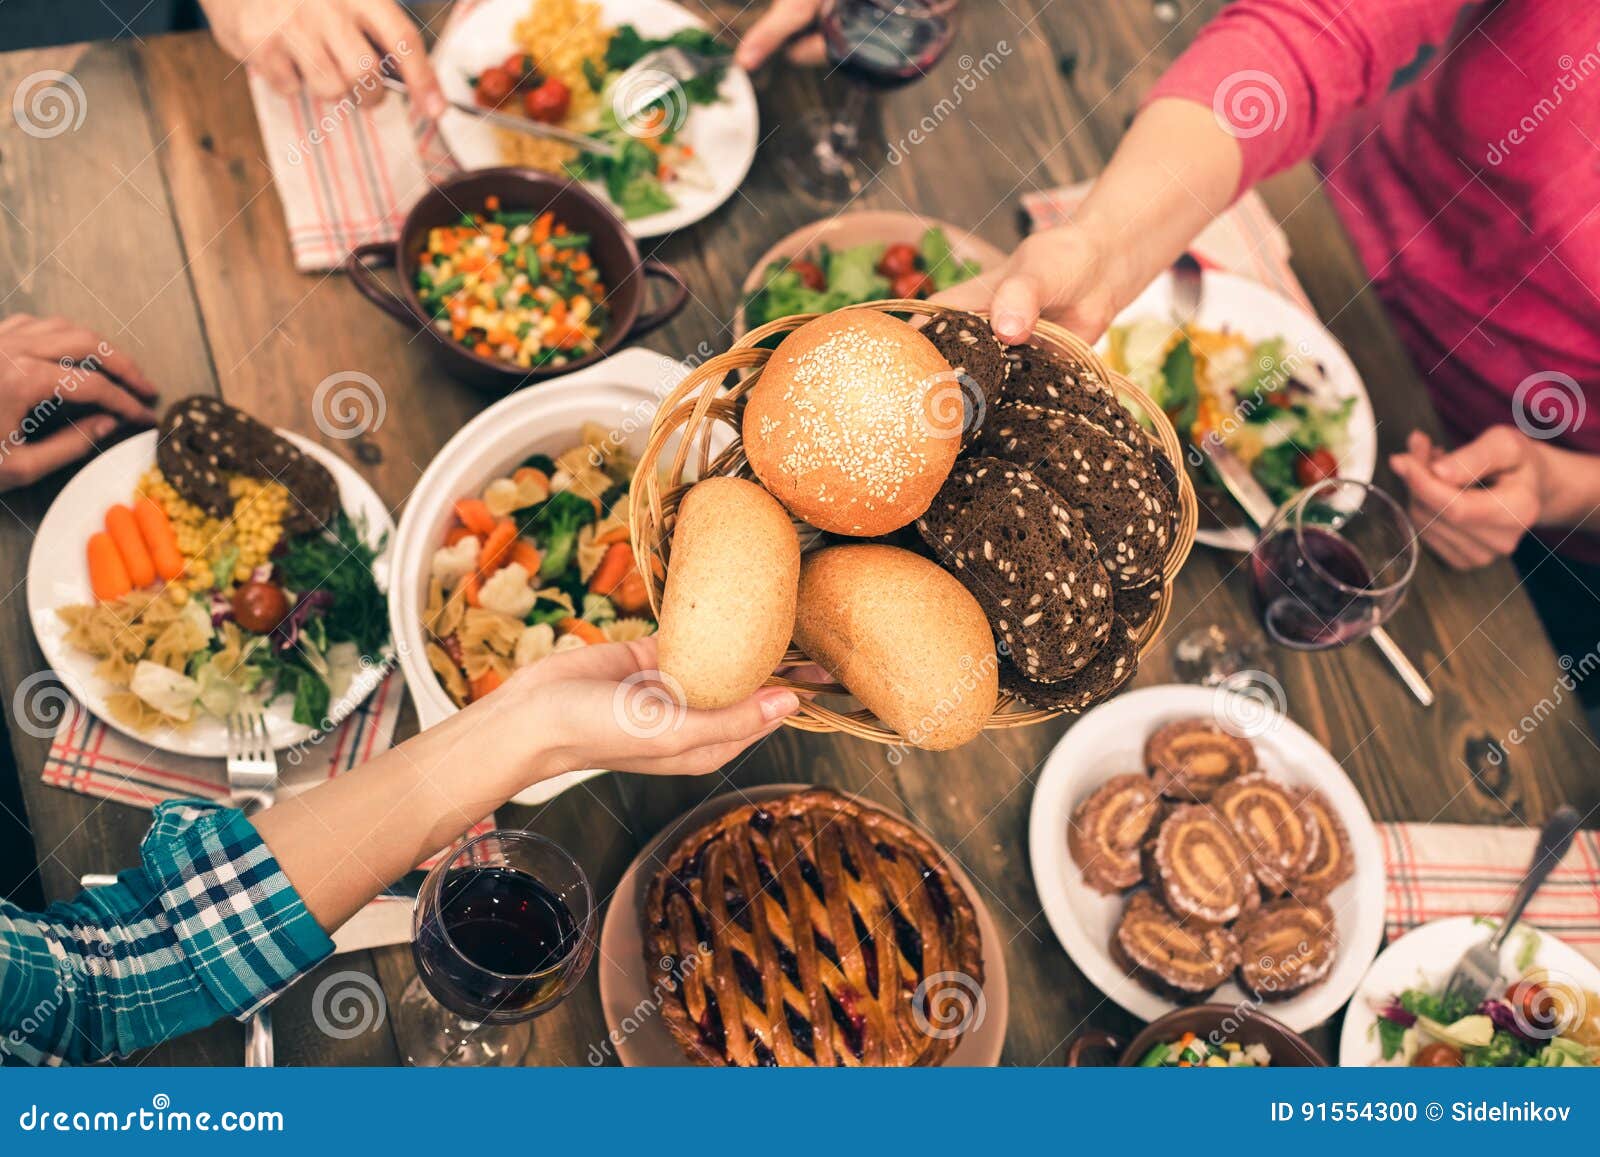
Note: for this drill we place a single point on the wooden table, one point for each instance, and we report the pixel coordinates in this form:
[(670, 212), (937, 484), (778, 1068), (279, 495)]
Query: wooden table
[(157, 223)]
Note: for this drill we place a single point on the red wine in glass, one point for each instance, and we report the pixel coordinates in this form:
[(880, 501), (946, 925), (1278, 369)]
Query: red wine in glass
[(886, 43)]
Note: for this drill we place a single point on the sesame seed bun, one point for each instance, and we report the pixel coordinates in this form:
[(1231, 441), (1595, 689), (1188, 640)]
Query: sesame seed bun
[(854, 423), (904, 637)]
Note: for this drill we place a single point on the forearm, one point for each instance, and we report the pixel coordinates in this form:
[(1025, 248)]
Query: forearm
[(1570, 482), (1174, 171)]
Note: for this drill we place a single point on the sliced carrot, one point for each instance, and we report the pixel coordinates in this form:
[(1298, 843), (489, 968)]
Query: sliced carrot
[(159, 538), (613, 568), (541, 227), (588, 632), (108, 576), (630, 595), (455, 534), (485, 683), (469, 587), (474, 515), (615, 534), (526, 474), (497, 547), (124, 531), (526, 555)]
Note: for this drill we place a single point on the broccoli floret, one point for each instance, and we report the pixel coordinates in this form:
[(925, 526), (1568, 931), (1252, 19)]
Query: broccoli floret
[(554, 524)]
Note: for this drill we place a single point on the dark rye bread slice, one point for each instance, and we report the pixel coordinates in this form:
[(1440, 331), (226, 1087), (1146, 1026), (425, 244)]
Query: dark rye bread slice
[(1136, 606), (1044, 381), (1115, 489), (978, 358), (1105, 674), (1027, 560), (203, 439)]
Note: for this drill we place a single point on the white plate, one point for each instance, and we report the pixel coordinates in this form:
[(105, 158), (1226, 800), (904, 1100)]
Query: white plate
[(1108, 741), (1425, 957), (619, 393), (723, 135), (58, 575), (1231, 302), (639, 1036)]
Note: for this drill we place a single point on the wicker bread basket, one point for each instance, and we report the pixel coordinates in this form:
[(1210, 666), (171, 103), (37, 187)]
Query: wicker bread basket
[(685, 433)]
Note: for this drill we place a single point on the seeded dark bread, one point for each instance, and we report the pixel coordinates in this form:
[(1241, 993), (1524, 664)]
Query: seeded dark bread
[(1114, 488), (851, 424), (1043, 381), (1027, 560), (1107, 671), (978, 358), (1136, 606), (203, 439)]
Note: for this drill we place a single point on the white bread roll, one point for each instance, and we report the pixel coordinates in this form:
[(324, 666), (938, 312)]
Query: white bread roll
[(904, 636), (854, 423), (728, 610)]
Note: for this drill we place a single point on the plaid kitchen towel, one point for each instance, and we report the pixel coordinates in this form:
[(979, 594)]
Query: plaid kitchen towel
[(1438, 870), (1245, 240), (89, 757)]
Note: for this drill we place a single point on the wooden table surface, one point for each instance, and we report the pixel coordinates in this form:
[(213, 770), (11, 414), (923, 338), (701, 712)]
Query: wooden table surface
[(156, 222)]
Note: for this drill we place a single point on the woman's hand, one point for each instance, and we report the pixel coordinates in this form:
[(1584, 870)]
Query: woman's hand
[(1062, 274), (791, 23), (47, 364), (327, 46), (1473, 505)]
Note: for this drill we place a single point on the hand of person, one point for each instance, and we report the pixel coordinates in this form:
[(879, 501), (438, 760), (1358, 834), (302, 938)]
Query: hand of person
[(50, 363), (791, 23), (1062, 274), (1473, 505), (327, 46), (609, 706)]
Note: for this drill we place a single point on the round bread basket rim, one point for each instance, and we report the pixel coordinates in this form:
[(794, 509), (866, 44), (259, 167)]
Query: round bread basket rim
[(699, 401)]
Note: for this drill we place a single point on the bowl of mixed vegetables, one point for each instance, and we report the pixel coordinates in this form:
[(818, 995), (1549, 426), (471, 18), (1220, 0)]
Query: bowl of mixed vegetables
[(859, 257), (1202, 1036), (518, 276), (1260, 374)]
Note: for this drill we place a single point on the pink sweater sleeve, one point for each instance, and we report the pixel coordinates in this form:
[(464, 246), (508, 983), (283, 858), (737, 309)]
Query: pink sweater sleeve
[(1279, 73)]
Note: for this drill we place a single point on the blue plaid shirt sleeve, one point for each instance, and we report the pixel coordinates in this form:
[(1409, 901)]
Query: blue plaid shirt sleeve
[(207, 926)]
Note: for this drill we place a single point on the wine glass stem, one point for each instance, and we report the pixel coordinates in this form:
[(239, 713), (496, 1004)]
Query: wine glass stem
[(843, 145)]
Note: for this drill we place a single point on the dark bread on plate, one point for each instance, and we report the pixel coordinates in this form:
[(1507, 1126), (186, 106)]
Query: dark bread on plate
[(203, 439), (1028, 561), (1107, 671)]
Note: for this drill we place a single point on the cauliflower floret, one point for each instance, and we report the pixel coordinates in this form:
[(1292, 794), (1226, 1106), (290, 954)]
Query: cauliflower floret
[(451, 562), (568, 643), (533, 644), (508, 591)]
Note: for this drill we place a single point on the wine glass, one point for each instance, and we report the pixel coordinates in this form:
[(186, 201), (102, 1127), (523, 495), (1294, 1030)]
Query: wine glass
[(503, 931), (1332, 565), (877, 44)]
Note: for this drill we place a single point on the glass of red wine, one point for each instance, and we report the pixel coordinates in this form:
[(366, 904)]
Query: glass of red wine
[(1332, 565), (878, 45), (503, 930)]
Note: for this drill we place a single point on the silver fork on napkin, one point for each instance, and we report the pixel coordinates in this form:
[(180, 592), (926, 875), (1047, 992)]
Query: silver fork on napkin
[(253, 787)]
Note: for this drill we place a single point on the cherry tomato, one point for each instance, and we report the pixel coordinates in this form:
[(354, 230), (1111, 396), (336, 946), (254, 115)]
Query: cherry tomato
[(1537, 1009), (913, 284), (898, 260), (548, 102), (1309, 469), (518, 64), (495, 86), (810, 274), (1278, 398), (1438, 1055), (259, 607)]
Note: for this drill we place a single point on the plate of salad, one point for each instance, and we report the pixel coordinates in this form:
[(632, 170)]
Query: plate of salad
[(1543, 1013), (1262, 374), (858, 257), (562, 62), (162, 617)]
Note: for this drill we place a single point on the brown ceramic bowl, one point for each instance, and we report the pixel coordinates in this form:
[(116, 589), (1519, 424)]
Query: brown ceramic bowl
[(611, 246), (1241, 1023)]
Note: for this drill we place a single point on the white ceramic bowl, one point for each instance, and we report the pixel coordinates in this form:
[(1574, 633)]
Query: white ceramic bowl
[(619, 393)]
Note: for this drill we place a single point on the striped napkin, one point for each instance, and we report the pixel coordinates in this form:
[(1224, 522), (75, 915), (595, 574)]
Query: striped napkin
[(1438, 870), (1245, 240), (89, 757)]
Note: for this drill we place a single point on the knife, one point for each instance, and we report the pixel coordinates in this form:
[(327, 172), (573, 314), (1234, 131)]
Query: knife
[(1259, 509)]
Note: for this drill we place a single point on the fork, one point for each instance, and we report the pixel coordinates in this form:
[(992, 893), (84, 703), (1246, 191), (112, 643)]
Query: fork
[(253, 787), (655, 74), (1479, 969)]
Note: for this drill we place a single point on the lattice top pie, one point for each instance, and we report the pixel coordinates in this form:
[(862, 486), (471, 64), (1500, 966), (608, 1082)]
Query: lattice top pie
[(804, 931)]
